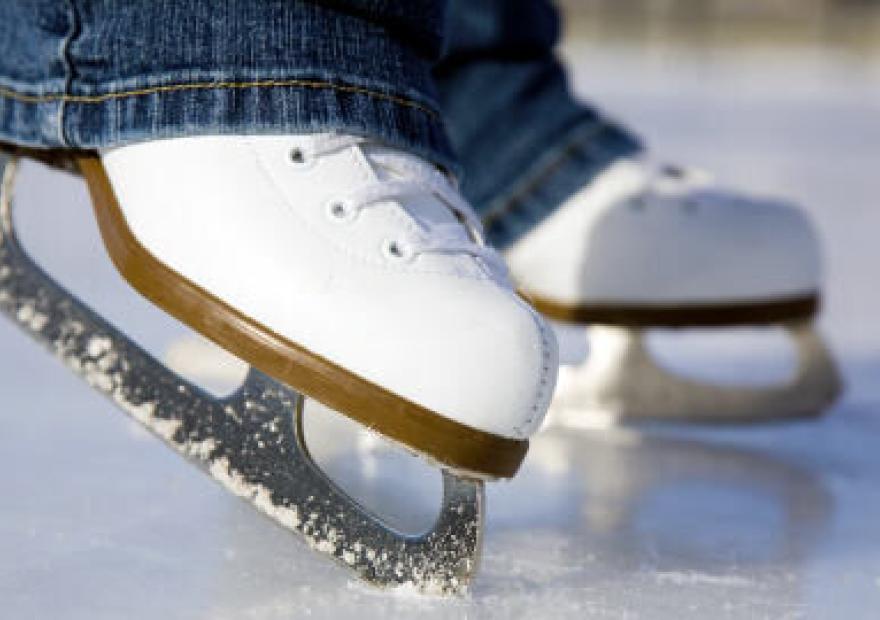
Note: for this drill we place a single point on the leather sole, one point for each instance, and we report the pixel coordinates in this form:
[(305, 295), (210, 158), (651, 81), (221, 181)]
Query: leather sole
[(741, 313)]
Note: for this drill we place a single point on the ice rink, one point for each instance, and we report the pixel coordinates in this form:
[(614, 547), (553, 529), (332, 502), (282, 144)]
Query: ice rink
[(98, 520)]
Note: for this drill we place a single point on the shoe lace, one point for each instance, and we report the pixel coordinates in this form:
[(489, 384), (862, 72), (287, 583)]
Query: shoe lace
[(439, 238)]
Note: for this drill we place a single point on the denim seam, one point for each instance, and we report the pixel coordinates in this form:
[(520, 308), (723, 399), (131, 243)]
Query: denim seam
[(64, 53), (542, 172), (312, 84)]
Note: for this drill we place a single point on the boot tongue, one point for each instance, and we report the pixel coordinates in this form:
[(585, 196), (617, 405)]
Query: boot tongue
[(426, 208)]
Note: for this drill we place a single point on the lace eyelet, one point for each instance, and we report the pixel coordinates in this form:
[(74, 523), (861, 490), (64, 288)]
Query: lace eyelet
[(340, 211), (673, 172), (397, 251), (299, 158)]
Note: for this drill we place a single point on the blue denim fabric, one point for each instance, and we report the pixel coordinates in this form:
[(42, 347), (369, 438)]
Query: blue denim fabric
[(525, 143), (97, 73)]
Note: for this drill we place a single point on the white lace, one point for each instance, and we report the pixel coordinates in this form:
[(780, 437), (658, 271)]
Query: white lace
[(440, 238)]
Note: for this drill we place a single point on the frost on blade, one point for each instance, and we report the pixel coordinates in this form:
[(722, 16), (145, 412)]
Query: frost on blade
[(202, 450), (31, 318)]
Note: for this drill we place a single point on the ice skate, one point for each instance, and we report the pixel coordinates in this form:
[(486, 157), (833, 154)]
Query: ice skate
[(646, 246), (338, 270)]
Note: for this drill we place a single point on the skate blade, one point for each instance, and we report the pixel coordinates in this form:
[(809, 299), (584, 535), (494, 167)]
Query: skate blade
[(251, 442), (621, 382)]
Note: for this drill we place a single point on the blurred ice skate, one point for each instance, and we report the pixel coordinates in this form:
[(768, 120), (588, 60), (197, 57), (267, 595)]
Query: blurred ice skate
[(649, 246)]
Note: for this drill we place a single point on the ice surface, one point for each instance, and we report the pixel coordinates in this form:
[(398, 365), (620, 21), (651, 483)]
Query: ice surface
[(98, 520)]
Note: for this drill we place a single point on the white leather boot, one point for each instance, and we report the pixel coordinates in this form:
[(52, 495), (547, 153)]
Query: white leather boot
[(351, 271), (657, 246)]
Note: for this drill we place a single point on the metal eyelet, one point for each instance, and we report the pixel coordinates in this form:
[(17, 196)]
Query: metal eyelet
[(673, 172), (299, 158), (340, 211), (397, 251)]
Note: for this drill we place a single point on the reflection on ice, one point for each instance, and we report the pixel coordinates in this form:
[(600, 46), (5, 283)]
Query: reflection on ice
[(691, 504)]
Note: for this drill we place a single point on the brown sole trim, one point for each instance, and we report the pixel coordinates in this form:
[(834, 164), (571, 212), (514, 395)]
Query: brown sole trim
[(448, 443), (697, 315)]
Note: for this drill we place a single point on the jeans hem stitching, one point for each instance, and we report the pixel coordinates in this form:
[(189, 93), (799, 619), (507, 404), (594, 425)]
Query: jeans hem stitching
[(313, 84)]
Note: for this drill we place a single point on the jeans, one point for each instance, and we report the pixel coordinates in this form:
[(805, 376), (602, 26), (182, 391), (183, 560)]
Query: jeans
[(525, 143), (475, 88), (97, 73)]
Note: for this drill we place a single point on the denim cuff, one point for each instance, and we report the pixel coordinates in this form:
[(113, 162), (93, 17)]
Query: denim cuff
[(564, 167), (85, 75)]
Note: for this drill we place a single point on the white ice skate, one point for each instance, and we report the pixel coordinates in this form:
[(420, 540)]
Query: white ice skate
[(348, 271), (647, 246)]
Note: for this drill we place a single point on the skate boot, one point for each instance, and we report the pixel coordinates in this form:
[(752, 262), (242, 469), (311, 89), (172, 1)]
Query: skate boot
[(339, 270), (647, 246)]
